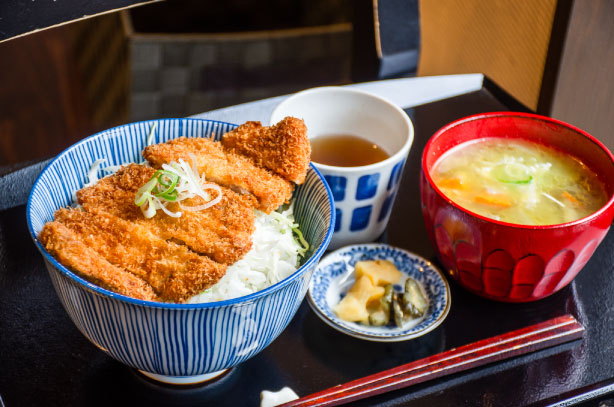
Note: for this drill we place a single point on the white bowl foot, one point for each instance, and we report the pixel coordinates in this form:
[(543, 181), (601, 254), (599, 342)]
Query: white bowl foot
[(179, 380)]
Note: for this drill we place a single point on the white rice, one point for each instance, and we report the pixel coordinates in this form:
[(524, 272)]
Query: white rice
[(275, 255)]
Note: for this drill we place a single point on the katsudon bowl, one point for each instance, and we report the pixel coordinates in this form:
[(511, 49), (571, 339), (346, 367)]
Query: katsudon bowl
[(173, 343)]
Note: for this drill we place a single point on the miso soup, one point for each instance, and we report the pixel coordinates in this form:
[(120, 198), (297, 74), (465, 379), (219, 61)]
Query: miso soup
[(518, 181)]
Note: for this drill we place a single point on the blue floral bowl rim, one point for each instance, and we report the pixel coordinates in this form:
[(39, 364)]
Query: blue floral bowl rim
[(400, 336), (314, 258)]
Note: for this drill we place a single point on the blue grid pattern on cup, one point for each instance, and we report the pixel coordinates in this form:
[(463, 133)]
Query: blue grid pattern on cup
[(395, 175), (338, 214), (360, 218), (367, 186), (337, 186), (386, 207)]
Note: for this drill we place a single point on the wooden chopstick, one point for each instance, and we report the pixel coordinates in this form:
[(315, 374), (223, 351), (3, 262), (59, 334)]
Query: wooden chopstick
[(521, 341)]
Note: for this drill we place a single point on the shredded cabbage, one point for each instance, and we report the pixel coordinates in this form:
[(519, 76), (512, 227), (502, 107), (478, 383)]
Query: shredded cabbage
[(92, 174), (275, 255)]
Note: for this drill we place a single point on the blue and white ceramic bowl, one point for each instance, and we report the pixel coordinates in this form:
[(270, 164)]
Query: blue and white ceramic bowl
[(335, 275), (175, 343)]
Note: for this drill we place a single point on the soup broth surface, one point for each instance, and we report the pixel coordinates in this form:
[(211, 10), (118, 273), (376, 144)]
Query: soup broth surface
[(518, 181)]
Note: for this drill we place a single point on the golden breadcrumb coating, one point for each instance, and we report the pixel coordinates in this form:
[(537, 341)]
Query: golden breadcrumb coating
[(66, 246), (226, 168), (222, 231), (283, 148), (109, 241), (174, 272)]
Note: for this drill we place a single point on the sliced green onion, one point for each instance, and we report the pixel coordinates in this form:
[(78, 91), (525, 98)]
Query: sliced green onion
[(512, 173), (172, 197), (150, 211), (144, 192), (175, 182), (170, 183), (517, 182)]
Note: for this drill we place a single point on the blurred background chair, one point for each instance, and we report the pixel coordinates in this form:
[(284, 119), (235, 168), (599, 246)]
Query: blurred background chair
[(385, 39), (181, 57)]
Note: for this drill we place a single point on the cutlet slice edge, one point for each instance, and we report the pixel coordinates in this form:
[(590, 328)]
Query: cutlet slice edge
[(66, 247), (167, 266), (282, 148)]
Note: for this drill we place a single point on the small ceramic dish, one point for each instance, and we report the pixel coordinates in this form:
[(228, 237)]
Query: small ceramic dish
[(335, 275)]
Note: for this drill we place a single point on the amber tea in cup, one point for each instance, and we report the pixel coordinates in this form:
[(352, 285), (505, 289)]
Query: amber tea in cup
[(345, 150)]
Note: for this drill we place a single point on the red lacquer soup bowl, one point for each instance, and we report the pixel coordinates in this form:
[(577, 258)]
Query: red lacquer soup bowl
[(505, 261)]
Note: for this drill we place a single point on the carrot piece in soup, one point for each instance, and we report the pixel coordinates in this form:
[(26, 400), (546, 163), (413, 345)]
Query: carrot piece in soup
[(452, 183), (493, 199), (571, 198)]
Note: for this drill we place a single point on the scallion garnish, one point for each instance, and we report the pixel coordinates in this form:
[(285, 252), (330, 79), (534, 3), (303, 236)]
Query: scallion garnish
[(175, 182), (513, 173)]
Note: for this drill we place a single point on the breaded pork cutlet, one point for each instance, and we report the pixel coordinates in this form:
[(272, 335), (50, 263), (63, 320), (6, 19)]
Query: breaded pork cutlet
[(222, 231), (66, 246), (174, 272), (283, 148), (226, 168)]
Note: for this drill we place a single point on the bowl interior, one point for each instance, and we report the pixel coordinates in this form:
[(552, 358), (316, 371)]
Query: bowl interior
[(55, 187), (549, 132)]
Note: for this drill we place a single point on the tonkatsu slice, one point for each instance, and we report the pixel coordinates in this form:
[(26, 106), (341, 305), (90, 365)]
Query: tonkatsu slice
[(222, 231), (226, 168), (66, 246), (174, 272), (283, 148)]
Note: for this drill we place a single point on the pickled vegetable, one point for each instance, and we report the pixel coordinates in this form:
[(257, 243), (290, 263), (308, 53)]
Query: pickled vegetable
[(413, 300), (353, 307), (380, 315), (373, 301), (381, 272), (397, 311)]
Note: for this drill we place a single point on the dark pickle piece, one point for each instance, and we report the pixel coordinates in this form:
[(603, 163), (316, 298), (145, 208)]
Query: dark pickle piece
[(414, 302), (381, 317), (386, 299), (397, 312)]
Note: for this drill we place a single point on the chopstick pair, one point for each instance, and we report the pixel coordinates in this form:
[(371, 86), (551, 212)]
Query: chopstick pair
[(515, 343)]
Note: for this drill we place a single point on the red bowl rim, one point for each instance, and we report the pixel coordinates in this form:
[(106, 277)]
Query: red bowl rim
[(531, 116)]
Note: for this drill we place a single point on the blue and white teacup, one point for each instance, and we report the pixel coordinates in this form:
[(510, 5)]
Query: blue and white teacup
[(363, 195)]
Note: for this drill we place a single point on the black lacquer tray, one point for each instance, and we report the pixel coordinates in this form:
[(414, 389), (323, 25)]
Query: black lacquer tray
[(45, 361)]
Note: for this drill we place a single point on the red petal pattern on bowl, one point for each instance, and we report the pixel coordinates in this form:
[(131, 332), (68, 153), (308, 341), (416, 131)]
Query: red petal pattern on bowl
[(554, 272), (497, 282), (529, 270), (581, 259), (499, 259), (502, 277), (497, 275), (467, 258), (444, 245), (560, 263), (520, 292), (468, 264)]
